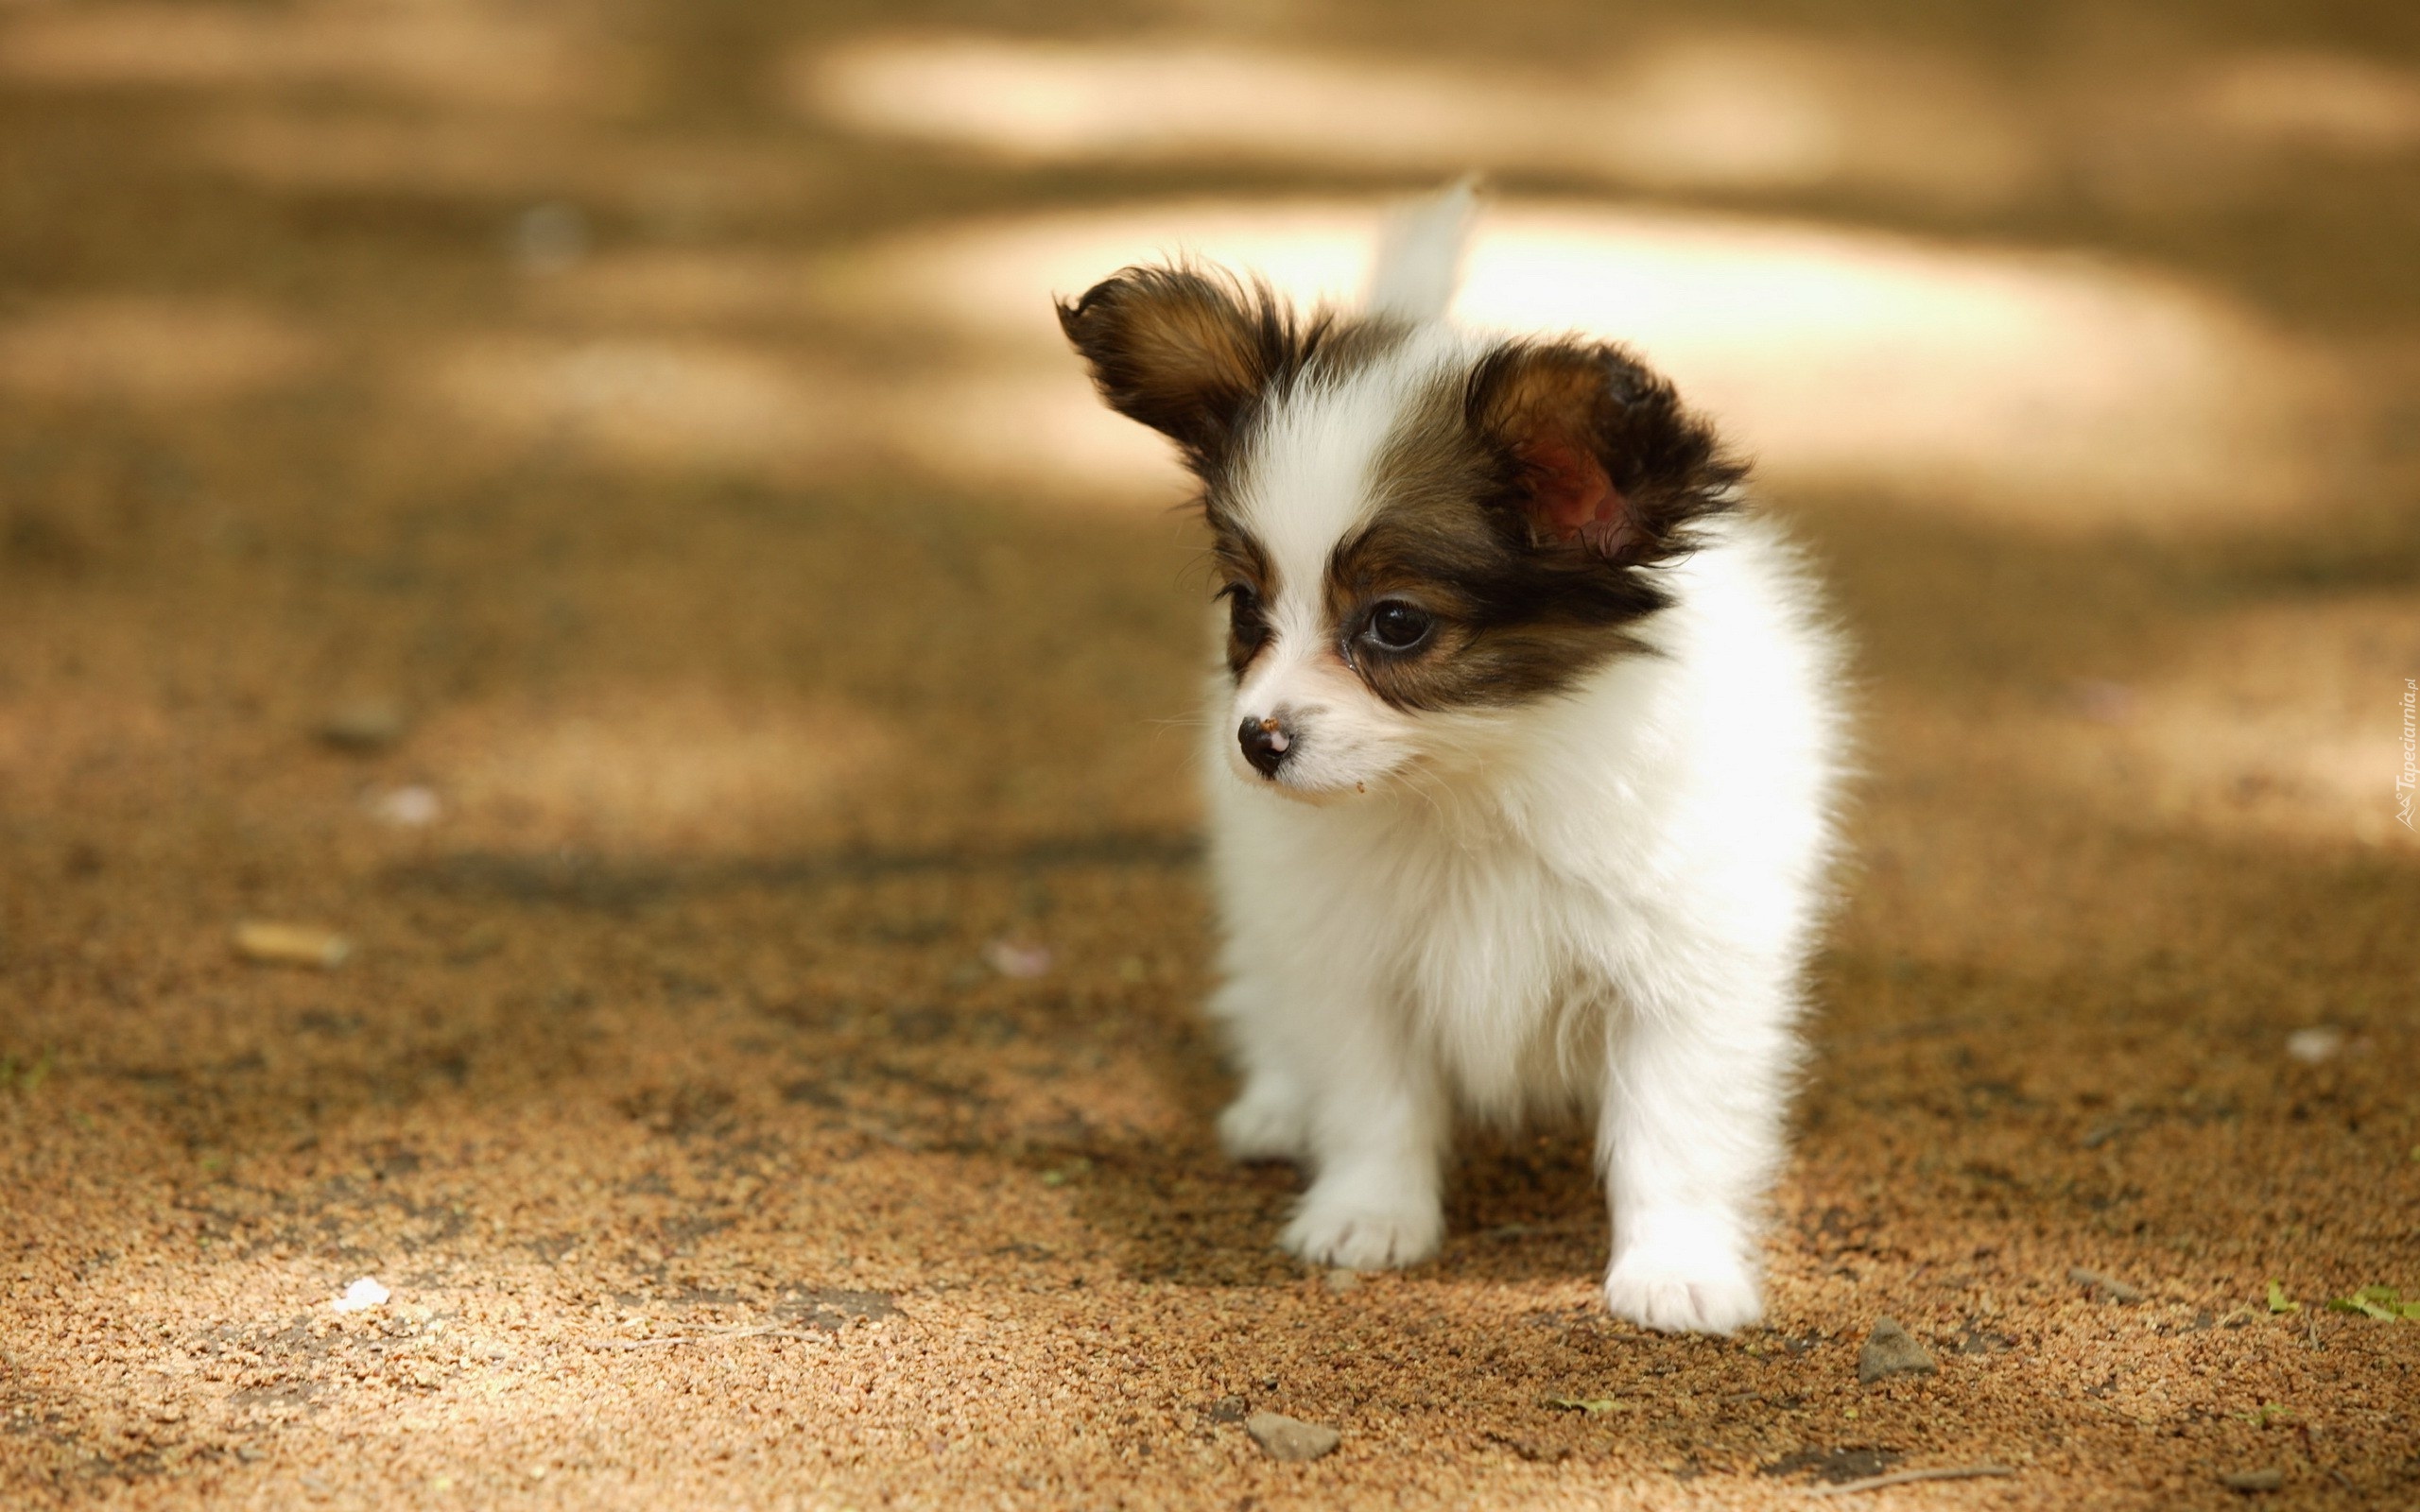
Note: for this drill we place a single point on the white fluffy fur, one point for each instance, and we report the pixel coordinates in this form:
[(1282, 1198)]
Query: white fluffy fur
[(1601, 900)]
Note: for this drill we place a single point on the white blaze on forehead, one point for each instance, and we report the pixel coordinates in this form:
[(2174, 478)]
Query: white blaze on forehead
[(1302, 484), (1304, 480)]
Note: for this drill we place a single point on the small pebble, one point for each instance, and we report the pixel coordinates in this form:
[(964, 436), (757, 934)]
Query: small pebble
[(2254, 1480), (1023, 962), (1289, 1439), (1890, 1351), (2101, 1134), (549, 237), (406, 808), (361, 1297), (275, 944), (2109, 1286), (2102, 702), (2312, 1046), (364, 725)]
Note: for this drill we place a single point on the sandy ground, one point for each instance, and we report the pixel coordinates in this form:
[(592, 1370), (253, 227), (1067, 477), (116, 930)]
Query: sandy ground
[(766, 1072)]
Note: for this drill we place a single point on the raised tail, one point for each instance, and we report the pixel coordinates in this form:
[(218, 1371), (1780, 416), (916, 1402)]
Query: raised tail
[(1420, 258)]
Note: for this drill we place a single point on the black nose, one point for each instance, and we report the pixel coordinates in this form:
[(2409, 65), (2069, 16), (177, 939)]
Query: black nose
[(1267, 742)]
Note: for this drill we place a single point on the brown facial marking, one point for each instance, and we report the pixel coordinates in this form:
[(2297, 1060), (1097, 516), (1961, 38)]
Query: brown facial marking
[(1249, 582), (1522, 509)]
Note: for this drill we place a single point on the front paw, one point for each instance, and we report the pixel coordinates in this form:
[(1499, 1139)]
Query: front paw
[(1264, 1124), (1362, 1231), (1684, 1289)]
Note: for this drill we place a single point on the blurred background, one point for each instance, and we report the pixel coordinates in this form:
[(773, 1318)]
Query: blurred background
[(660, 411), (580, 512)]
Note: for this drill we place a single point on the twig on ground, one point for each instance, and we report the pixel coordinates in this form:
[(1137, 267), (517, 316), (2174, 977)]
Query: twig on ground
[(1875, 1482), (763, 1331)]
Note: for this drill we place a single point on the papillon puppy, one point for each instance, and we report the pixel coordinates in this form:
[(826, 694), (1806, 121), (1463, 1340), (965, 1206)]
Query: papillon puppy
[(1524, 737)]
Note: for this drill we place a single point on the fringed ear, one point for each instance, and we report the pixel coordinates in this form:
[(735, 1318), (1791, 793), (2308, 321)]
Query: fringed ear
[(1597, 451), (1184, 353)]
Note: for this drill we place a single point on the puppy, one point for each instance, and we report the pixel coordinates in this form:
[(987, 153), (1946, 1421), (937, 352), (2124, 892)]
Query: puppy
[(1524, 749)]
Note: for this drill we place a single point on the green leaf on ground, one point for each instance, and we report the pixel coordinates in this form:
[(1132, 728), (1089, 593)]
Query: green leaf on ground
[(2267, 1413), (2279, 1301), (1591, 1405), (2381, 1302)]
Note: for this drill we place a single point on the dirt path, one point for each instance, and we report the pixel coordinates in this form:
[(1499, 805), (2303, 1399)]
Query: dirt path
[(765, 1071)]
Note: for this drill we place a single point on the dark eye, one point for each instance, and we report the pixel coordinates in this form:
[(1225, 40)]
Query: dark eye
[(1399, 626), (1243, 613)]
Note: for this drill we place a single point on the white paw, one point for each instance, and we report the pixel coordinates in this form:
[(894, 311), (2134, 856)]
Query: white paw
[(1264, 1124), (1684, 1289), (1358, 1233)]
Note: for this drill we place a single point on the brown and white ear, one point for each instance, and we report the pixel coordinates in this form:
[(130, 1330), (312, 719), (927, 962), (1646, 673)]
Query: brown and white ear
[(1597, 451), (1186, 353)]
